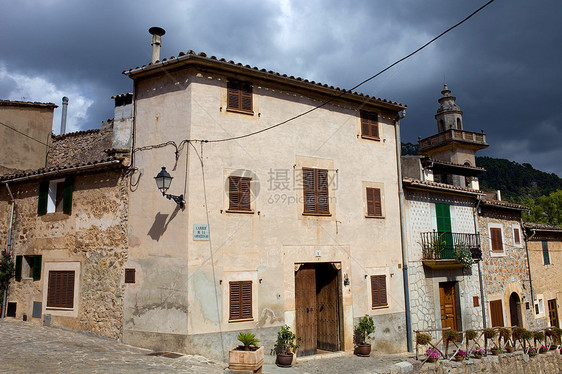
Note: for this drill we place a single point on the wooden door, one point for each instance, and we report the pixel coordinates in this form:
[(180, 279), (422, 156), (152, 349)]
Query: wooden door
[(553, 313), (328, 307), (496, 313), (448, 305), (305, 305)]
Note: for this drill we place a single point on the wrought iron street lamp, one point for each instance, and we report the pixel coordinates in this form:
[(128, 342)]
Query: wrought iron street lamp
[(163, 182)]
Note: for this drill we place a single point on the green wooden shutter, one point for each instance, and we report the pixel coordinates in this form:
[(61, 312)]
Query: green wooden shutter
[(37, 267), (443, 215), (19, 260), (43, 197), (545, 254), (67, 201)]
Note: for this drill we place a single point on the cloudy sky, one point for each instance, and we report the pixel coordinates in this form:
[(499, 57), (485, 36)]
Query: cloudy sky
[(503, 65)]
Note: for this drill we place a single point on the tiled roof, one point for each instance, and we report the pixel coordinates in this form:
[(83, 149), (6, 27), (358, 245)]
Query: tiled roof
[(503, 204), (458, 165), (541, 226), (441, 186), (223, 63), (27, 103)]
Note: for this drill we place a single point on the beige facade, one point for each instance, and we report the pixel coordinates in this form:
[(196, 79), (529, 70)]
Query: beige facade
[(545, 255), (25, 133), (181, 299)]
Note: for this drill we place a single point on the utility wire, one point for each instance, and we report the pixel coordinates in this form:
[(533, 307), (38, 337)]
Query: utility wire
[(21, 133), (356, 86)]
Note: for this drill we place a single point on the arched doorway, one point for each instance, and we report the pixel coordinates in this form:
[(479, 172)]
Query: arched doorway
[(515, 310)]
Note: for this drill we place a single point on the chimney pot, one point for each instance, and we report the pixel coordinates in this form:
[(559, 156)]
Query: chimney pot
[(156, 42)]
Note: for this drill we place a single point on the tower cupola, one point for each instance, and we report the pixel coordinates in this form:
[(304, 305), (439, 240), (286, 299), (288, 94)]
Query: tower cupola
[(449, 114)]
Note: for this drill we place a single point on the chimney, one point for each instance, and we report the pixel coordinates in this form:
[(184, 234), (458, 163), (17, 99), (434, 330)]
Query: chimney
[(156, 42), (498, 195), (63, 115)]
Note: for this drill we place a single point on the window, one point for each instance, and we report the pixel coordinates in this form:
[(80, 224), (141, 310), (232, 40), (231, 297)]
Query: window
[(374, 205), (378, 291), (545, 254), (60, 291), (516, 236), (129, 275), (28, 267), (55, 196), (496, 239), (240, 96), (315, 188), (240, 300), (539, 306), (369, 125), (239, 193)]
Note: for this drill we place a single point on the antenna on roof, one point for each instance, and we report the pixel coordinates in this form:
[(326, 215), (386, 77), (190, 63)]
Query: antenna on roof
[(156, 42)]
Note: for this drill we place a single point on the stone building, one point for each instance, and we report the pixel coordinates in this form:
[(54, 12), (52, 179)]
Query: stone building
[(504, 264), (284, 222), (68, 234), (25, 132), (544, 244), (441, 193)]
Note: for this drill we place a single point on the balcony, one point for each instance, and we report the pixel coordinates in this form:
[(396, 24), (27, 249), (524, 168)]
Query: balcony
[(439, 248), (478, 140)]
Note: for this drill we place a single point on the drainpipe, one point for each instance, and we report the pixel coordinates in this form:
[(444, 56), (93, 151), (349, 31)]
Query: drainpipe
[(403, 232), (528, 261), (482, 297), (9, 248)]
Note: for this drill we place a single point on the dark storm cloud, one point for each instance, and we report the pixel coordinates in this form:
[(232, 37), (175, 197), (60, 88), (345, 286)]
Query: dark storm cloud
[(502, 65)]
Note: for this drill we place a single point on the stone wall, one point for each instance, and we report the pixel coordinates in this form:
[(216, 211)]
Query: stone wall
[(92, 239)]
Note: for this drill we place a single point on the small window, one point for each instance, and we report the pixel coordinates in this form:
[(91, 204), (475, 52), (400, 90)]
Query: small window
[(369, 125), (545, 253), (496, 239), (60, 291), (374, 204), (516, 236), (539, 305), (11, 310), (240, 300), (378, 291), (28, 267), (240, 96), (129, 275), (315, 186), (239, 193), (55, 196)]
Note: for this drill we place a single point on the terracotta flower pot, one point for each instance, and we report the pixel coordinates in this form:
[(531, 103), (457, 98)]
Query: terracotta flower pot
[(495, 352), (509, 349), (477, 355), (459, 358), (284, 359), (363, 350), (431, 359)]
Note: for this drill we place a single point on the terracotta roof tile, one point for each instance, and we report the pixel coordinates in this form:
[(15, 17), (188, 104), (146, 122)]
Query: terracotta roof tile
[(27, 103), (441, 186), (503, 204), (541, 226)]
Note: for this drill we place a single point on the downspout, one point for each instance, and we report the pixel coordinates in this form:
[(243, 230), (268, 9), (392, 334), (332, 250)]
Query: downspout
[(9, 248), (482, 297), (528, 261), (403, 232)]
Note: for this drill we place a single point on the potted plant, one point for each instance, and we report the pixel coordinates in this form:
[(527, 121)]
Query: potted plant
[(423, 339), (478, 352), (543, 349), (449, 336), (495, 350), (247, 356), (509, 348), (432, 354), (532, 352), (363, 330), (488, 335), (459, 354), (286, 346)]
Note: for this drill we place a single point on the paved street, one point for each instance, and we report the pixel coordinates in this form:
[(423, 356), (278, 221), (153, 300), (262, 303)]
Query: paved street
[(27, 348)]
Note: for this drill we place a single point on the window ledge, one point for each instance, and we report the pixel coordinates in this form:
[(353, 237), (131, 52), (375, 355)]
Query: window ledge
[(318, 214), (54, 216), (248, 112), (380, 307), (498, 254), (379, 217), (59, 308), (240, 211), (240, 320), (370, 137)]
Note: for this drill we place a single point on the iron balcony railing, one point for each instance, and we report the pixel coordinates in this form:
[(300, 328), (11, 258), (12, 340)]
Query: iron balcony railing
[(441, 245)]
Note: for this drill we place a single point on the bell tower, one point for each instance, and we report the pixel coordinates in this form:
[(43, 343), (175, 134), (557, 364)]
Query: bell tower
[(449, 115)]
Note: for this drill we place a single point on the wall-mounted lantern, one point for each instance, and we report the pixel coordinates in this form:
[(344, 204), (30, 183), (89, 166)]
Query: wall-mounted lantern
[(163, 181)]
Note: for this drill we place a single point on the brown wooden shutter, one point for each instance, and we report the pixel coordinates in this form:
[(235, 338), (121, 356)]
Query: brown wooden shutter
[(496, 313), (369, 124), (240, 300), (239, 193), (374, 204), (517, 238), (246, 96), (316, 191), (130, 275), (60, 291), (233, 95), (496, 237), (239, 96), (378, 290), (309, 191), (322, 191)]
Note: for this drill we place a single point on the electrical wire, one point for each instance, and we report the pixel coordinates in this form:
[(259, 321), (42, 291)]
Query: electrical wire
[(357, 85), (27, 136)]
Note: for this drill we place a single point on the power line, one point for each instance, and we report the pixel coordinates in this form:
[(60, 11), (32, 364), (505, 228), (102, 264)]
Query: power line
[(24, 134), (356, 86)]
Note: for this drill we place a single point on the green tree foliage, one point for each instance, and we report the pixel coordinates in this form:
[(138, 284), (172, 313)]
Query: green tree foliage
[(544, 209)]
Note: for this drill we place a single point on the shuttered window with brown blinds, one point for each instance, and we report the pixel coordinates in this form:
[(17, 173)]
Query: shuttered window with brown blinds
[(516, 236), (496, 312), (315, 191), (374, 204), (240, 300), (60, 291), (378, 290), (240, 96), (369, 125), (239, 193), (496, 238)]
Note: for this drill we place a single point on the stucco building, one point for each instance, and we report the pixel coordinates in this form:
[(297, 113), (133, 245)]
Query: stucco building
[(285, 222)]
